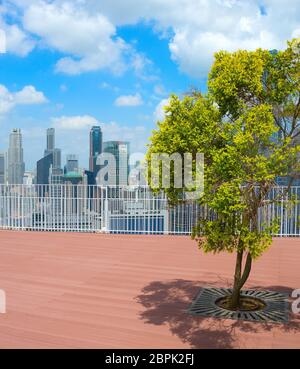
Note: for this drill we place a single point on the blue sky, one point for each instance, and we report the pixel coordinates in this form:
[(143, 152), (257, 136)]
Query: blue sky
[(72, 64)]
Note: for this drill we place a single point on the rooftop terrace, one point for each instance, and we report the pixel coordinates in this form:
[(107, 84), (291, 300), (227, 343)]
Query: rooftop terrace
[(69, 290)]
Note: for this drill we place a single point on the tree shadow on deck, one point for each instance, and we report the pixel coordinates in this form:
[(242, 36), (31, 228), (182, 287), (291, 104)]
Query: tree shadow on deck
[(166, 302)]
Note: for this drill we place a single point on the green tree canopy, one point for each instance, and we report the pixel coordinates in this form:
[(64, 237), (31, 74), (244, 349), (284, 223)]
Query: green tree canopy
[(247, 126)]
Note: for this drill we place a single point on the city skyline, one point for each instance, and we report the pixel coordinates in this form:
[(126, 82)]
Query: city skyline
[(148, 52), (51, 168)]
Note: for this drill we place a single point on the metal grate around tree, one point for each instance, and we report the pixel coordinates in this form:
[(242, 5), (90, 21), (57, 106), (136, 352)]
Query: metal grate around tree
[(276, 309)]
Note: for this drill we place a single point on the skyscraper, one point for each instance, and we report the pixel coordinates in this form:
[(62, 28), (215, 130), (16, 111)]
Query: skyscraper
[(95, 148), (49, 167), (57, 160), (43, 169), (16, 166), (50, 139), (2, 168), (120, 150), (50, 149)]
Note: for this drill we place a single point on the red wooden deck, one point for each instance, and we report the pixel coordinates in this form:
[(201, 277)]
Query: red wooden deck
[(68, 290)]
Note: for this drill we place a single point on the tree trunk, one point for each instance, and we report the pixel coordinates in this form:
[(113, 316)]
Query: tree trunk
[(235, 297), (240, 279)]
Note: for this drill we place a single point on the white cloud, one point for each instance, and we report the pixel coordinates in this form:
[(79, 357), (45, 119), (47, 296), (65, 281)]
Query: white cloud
[(6, 100), (87, 38), (199, 28), (13, 38), (129, 100), (159, 113), (195, 30), (221, 25), (17, 41), (74, 122), (27, 96)]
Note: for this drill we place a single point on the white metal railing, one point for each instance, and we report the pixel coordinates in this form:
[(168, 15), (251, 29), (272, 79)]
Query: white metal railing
[(136, 210)]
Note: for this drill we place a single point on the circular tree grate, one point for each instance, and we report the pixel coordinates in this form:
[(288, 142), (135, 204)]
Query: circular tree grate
[(276, 309)]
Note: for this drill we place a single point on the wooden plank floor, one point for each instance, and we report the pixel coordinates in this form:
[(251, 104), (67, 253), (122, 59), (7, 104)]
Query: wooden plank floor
[(67, 290)]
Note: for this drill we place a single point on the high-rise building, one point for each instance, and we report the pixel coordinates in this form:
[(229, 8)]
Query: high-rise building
[(71, 164), (50, 140), (2, 168), (49, 167), (16, 166), (95, 148), (43, 169), (57, 159), (120, 150), (50, 149)]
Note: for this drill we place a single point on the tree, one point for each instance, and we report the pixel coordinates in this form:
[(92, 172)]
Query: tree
[(247, 127)]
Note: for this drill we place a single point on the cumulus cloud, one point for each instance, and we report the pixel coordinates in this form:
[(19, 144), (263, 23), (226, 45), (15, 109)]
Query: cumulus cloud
[(6, 100), (195, 30), (129, 100), (199, 28), (17, 41), (74, 122), (27, 96), (13, 38), (88, 39)]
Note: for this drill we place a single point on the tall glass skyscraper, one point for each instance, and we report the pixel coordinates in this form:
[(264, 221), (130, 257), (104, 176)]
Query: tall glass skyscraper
[(57, 160), (43, 167), (50, 139), (120, 150), (50, 149), (16, 166), (95, 148)]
